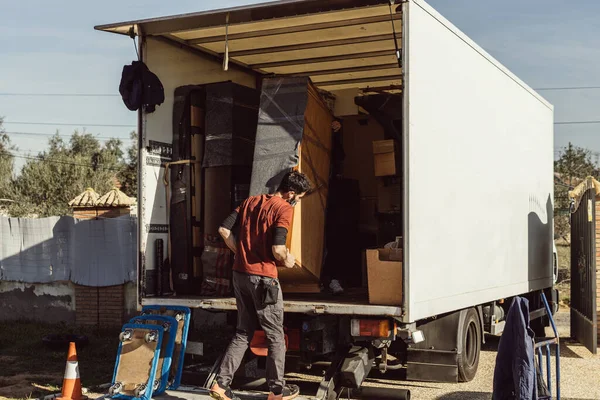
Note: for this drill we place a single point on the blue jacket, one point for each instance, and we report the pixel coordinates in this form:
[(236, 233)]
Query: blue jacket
[(515, 374)]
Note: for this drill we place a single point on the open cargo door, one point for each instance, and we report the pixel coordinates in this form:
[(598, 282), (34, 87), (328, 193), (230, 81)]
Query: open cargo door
[(584, 225)]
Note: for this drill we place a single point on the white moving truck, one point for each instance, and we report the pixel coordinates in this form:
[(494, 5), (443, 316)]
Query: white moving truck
[(476, 172)]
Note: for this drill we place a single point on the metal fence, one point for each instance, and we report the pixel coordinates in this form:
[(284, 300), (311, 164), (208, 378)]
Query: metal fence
[(98, 252)]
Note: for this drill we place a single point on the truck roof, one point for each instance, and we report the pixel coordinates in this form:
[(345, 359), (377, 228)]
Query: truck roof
[(340, 44)]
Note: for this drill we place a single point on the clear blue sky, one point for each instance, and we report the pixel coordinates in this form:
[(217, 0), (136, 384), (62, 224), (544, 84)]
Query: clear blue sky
[(51, 47)]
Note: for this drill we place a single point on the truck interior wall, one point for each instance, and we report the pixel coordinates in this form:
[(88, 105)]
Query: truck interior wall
[(175, 67), (357, 190), (480, 159)]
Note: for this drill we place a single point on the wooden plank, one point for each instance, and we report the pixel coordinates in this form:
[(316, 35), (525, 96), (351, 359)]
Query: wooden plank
[(367, 79), (332, 66), (388, 73), (301, 39), (313, 60), (360, 12), (323, 29), (360, 68), (357, 48), (329, 44), (361, 84)]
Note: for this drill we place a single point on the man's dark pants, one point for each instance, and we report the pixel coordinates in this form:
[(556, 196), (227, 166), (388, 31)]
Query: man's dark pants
[(251, 315)]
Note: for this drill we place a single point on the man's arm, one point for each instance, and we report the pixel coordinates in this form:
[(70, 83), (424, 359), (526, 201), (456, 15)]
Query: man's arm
[(280, 252), (225, 231)]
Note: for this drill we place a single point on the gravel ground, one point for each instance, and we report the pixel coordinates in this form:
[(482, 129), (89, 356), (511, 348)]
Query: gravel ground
[(580, 373)]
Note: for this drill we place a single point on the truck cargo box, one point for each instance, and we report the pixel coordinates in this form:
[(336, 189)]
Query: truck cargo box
[(473, 154)]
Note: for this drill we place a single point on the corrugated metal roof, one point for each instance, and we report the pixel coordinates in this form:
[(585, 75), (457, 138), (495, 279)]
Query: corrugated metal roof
[(340, 44)]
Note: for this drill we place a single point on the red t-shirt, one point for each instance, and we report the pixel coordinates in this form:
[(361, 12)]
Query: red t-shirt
[(258, 217)]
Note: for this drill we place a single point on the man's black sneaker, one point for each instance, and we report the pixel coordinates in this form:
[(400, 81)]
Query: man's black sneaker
[(289, 392)]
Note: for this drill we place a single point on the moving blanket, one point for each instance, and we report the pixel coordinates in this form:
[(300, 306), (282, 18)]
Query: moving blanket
[(279, 133), (86, 252), (231, 118)]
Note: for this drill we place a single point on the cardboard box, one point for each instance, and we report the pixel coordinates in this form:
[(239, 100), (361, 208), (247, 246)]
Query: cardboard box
[(389, 197), (385, 157), (384, 270)]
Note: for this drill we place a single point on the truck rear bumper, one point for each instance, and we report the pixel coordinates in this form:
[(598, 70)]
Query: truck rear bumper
[(290, 306)]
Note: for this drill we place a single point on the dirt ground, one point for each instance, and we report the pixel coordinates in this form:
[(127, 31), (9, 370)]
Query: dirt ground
[(30, 370)]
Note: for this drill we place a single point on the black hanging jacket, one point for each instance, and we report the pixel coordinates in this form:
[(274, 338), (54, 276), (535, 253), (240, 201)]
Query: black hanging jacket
[(514, 374), (140, 87)]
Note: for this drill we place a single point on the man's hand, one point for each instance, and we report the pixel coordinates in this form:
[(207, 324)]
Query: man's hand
[(283, 256), (335, 125), (290, 261)]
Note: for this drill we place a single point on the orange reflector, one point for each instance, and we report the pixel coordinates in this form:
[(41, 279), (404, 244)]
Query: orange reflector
[(259, 344), (370, 328)]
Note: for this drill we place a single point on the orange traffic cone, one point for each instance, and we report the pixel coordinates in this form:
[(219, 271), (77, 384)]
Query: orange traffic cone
[(71, 388)]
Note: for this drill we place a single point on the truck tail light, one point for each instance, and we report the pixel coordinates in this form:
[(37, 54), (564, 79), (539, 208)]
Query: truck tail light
[(376, 328)]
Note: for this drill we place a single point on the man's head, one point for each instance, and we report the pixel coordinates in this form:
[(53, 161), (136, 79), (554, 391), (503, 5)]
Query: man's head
[(293, 187)]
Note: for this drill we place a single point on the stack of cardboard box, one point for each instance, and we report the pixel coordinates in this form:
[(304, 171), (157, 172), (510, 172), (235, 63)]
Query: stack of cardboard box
[(384, 265)]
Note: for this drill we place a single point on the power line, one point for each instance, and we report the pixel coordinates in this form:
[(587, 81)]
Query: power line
[(61, 135), (570, 88), (69, 124), (576, 122), (61, 94)]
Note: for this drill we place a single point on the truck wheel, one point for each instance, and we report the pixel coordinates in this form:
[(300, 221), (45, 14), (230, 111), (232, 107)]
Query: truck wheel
[(468, 357)]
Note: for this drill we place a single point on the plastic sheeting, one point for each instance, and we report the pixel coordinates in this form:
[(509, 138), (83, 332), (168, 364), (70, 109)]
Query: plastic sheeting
[(231, 117), (280, 128), (87, 252)]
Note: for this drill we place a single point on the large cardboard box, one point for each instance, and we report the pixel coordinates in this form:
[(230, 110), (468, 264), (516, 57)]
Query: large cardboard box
[(384, 271), (294, 132), (386, 158)]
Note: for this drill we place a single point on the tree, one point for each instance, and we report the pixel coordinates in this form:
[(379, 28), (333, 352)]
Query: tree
[(6, 163), (48, 182), (128, 175), (573, 165)]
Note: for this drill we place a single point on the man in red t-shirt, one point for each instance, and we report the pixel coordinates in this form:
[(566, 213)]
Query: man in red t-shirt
[(260, 247)]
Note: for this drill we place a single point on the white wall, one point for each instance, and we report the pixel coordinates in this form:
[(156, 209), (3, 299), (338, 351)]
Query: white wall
[(480, 162), (174, 67)]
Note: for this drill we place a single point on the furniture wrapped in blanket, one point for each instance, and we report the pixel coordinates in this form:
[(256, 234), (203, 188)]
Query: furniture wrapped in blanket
[(184, 178), (230, 122), (294, 132), (214, 127)]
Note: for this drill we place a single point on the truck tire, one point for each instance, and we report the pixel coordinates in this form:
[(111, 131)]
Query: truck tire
[(468, 357)]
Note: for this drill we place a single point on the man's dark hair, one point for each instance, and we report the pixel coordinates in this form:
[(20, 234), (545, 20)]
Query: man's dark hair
[(294, 181)]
